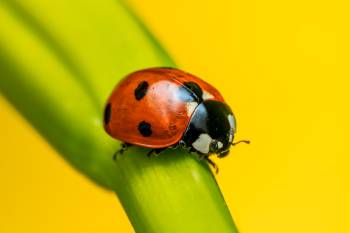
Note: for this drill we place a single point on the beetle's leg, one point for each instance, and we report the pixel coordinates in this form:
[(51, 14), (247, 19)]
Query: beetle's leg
[(180, 145), (216, 168), (245, 141), (156, 151), (123, 147)]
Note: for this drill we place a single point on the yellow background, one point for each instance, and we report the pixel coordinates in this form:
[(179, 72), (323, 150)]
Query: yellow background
[(284, 69)]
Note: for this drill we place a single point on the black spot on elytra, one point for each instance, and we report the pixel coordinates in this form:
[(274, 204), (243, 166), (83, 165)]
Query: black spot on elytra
[(145, 128), (190, 91), (141, 90), (195, 88), (107, 114)]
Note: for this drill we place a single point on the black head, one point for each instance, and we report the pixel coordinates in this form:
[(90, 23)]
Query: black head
[(211, 129)]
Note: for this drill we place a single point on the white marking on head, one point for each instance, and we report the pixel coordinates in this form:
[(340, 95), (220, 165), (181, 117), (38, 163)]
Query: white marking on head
[(202, 143), (220, 145), (191, 106), (206, 95), (232, 121)]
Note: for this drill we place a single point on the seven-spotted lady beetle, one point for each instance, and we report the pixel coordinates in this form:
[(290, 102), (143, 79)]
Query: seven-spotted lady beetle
[(159, 108)]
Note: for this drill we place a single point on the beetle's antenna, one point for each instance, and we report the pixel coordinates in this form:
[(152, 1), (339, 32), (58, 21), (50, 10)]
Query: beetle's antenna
[(245, 141)]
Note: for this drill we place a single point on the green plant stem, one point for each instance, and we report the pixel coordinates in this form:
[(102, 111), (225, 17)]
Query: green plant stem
[(58, 64)]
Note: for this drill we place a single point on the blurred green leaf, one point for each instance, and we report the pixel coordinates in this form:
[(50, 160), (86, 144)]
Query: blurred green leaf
[(59, 61)]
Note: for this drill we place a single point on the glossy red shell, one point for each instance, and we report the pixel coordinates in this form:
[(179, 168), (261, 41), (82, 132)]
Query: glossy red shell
[(161, 107)]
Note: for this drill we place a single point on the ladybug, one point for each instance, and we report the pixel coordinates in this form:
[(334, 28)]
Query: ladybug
[(158, 108)]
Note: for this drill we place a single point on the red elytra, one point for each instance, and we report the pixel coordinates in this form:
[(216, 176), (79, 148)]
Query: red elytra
[(147, 109)]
